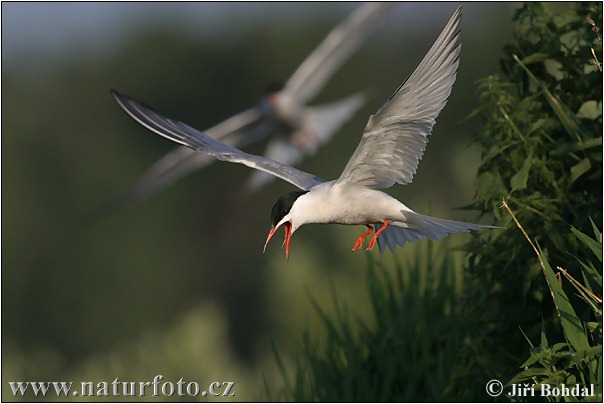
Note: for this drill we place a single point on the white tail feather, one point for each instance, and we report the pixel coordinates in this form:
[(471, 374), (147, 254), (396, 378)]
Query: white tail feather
[(421, 226)]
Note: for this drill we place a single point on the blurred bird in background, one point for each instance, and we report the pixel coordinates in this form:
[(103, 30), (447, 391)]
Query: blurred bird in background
[(389, 152), (298, 130)]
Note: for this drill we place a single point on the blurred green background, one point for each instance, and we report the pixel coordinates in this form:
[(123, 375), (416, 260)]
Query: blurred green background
[(178, 285)]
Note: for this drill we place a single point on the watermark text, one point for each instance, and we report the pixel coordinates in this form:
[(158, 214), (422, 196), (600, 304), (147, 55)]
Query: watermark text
[(495, 388), (118, 388)]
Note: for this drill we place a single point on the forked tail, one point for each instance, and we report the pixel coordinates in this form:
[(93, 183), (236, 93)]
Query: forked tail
[(421, 226)]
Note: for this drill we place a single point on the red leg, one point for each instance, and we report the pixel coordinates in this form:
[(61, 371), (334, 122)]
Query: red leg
[(375, 236), (361, 238)]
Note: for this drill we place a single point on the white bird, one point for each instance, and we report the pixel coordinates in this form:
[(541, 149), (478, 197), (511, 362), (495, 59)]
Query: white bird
[(299, 130), (391, 147)]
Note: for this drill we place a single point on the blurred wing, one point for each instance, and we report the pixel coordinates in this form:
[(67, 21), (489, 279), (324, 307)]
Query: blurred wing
[(321, 123), (242, 121), (239, 130), (338, 46), (325, 120), (278, 149), (185, 135), (395, 137), (172, 167)]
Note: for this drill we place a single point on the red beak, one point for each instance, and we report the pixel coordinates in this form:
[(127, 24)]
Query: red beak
[(288, 235)]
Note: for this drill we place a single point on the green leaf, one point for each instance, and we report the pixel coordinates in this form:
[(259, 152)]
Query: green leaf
[(533, 359), (559, 346), (579, 169), (519, 180), (529, 374), (567, 147), (591, 109), (537, 124), (544, 343), (591, 274), (592, 326), (589, 242), (554, 68), (535, 58), (494, 151), (565, 115), (597, 232), (593, 351), (572, 326)]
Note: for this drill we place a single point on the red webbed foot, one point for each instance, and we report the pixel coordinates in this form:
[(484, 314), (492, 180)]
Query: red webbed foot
[(359, 242), (375, 236)]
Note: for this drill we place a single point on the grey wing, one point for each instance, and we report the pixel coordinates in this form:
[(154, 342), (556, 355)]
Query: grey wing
[(249, 126), (245, 127), (279, 149), (163, 173), (326, 119), (319, 126), (238, 131), (185, 135), (241, 121), (395, 137), (338, 46)]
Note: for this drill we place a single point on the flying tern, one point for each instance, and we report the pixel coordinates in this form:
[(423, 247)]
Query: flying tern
[(389, 152), (298, 130)]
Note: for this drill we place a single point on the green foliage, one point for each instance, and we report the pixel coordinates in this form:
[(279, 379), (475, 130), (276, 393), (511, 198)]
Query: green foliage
[(542, 138), (404, 353), (579, 360)]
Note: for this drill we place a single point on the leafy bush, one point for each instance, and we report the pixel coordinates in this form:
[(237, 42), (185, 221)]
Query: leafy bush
[(542, 141), (579, 360), (542, 158)]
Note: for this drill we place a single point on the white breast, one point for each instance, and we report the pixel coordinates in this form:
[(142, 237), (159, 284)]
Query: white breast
[(327, 203)]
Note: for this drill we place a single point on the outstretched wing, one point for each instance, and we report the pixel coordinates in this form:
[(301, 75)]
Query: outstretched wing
[(246, 127), (319, 126), (185, 135), (339, 45), (395, 137), (253, 124)]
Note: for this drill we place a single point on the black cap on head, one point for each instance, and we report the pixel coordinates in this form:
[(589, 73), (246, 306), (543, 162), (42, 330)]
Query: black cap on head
[(283, 206)]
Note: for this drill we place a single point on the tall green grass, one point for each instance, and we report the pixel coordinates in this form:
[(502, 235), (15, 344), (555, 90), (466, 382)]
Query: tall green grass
[(405, 352), (519, 313), (577, 359), (542, 142)]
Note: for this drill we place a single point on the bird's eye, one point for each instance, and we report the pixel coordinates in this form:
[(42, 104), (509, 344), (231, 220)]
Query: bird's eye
[(285, 212)]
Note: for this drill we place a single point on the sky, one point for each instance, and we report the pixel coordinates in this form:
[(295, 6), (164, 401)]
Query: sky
[(32, 27), (52, 30)]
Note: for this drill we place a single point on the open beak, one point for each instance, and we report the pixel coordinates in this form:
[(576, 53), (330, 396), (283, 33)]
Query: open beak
[(288, 235)]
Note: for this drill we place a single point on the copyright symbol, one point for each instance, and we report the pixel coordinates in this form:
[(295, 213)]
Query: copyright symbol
[(494, 388)]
